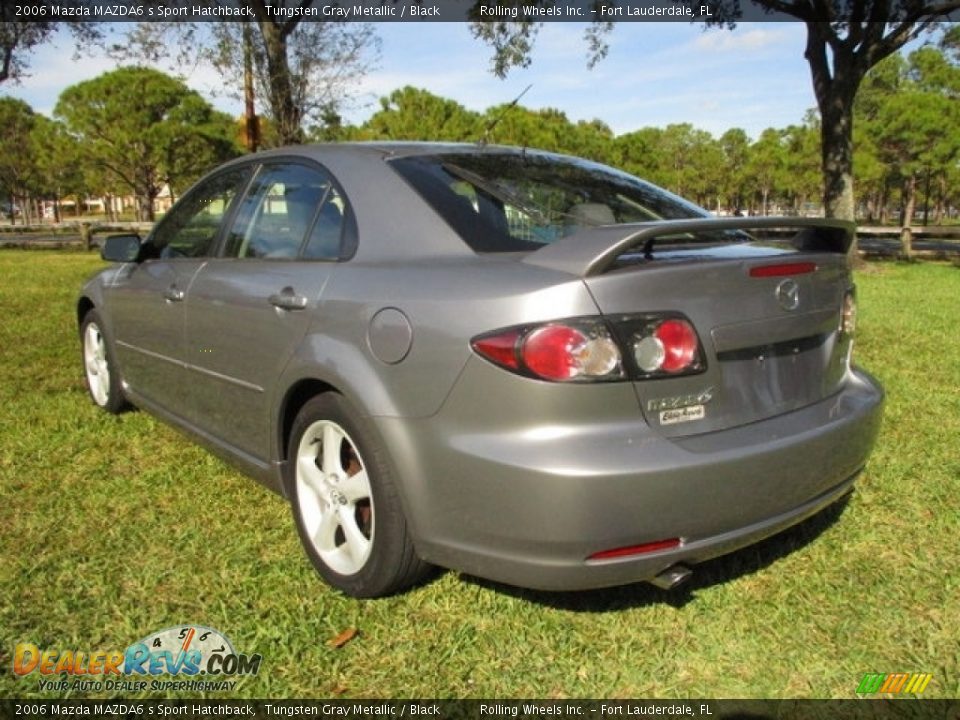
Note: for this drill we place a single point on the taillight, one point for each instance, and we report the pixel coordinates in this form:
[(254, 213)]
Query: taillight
[(575, 350), (561, 352), (848, 314), (588, 349), (667, 347)]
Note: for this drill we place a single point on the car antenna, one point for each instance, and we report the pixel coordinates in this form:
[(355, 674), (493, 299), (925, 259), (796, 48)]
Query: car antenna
[(493, 123)]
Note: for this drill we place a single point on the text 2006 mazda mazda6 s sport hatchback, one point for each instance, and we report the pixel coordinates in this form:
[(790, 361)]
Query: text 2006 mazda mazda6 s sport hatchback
[(525, 366)]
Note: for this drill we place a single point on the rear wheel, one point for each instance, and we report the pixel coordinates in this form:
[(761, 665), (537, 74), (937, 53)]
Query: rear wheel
[(103, 380), (345, 505)]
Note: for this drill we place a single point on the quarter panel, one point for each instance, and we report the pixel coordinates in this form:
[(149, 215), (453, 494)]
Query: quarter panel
[(446, 303)]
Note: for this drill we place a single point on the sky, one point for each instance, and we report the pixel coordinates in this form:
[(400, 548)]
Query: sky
[(655, 74)]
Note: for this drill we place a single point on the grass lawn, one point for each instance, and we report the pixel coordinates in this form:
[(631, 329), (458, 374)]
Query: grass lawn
[(114, 527)]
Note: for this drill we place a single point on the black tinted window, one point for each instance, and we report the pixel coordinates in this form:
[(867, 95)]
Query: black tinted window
[(505, 202)]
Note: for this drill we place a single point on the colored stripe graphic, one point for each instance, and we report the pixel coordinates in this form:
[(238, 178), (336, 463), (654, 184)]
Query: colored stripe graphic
[(871, 683), (918, 683), (893, 683)]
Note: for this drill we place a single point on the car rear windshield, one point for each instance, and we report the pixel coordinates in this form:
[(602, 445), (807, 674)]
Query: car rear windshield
[(521, 201)]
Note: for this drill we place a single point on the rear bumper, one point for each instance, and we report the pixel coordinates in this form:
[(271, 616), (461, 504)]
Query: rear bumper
[(527, 504)]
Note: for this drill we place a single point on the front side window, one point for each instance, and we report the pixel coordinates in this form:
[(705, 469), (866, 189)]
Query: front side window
[(510, 202), (285, 204), (190, 230)]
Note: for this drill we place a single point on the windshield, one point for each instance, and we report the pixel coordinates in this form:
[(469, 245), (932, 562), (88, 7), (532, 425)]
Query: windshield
[(520, 201)]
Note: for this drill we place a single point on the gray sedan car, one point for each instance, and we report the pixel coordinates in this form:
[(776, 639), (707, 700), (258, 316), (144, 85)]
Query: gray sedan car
[(524, 366)]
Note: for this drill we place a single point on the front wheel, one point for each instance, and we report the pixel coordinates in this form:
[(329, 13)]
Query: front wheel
[(103, 380), (345, 506)]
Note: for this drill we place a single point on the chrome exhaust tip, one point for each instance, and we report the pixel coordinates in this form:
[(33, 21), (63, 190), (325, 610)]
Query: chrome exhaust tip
[(671, 577)]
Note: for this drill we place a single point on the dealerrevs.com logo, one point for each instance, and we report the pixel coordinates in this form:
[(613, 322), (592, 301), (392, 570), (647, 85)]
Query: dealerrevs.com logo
[(183, 652)]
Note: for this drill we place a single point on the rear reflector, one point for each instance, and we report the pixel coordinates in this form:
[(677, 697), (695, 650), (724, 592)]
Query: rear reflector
[(636, 549), (501, 348), (782, 269)]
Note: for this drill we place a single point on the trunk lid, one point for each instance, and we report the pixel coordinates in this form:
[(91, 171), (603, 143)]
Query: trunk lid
[(766, 307)]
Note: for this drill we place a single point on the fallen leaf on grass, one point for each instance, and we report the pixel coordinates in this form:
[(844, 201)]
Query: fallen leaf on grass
[(343, 638)]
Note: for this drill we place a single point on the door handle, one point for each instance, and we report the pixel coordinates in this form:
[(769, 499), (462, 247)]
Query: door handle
[(174, 294), (288, 300)]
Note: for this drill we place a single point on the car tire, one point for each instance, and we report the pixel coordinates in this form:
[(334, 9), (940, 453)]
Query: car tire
[(345, 504), (99, 366)]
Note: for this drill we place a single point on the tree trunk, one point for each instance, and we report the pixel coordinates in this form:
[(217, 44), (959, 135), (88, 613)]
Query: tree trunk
[(250, 115), (837, 158), (145, 206), (86, 235), (835, 86), (286, 114), (910, 201), (941, 191)]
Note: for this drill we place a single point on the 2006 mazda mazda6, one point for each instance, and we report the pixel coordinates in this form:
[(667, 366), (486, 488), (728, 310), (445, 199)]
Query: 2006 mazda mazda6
[(524, 366)]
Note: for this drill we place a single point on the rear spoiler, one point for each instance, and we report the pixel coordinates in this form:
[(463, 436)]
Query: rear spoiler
[(595, 250)]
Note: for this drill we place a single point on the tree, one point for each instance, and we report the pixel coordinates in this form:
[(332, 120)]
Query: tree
[(766, 165), (735, 146), (414, 114), (801, 145), (303, 70), (592, 139), (146, 129), (17, 121), (638, 153), (18, 37), (57, 157), (911, 111)]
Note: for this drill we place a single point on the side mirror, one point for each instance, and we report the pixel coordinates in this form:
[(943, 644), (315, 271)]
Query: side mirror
[(121, 248)]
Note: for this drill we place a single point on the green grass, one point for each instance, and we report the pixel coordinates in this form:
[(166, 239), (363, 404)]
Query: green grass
[(114, 527)]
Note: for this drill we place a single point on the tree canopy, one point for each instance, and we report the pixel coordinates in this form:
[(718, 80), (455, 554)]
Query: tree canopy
[(303, 72), (146, 129), (18, 38)]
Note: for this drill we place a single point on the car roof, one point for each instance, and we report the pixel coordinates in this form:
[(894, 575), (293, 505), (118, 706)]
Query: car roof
[(396, 148)]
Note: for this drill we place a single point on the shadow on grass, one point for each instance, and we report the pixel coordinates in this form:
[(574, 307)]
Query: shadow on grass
[(745, 561)]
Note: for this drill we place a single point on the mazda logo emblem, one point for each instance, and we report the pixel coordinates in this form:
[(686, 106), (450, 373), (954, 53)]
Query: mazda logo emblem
[(788, 294)]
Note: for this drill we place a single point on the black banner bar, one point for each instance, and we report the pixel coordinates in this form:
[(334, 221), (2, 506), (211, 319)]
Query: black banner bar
[(340, 709), (704, 11)]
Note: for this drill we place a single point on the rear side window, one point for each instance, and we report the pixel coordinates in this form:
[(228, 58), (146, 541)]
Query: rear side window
[(278, 211), (325, 237), (510, 202)]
